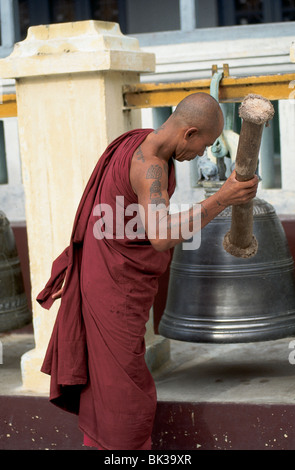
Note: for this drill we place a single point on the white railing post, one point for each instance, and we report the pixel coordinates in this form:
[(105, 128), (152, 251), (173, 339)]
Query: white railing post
[(187, 11)]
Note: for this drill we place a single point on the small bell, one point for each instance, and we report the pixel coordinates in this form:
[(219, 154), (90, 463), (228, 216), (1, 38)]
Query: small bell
[(14, 312)]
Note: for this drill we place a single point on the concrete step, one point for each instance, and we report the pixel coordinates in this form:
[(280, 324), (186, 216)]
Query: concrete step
[(32, 423), (210, 397)]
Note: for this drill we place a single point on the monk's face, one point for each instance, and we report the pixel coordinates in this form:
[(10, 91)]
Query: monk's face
[(194, 143)]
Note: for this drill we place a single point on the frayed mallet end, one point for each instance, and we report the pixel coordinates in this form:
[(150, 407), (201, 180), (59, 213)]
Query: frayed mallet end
[(256, 109), (238, 252)]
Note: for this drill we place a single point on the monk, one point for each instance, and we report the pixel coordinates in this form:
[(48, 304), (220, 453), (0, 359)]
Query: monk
[(107, 277)]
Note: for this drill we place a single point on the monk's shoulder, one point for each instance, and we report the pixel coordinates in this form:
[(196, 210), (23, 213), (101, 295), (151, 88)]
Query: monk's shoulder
[(145, 164), (145, 167)]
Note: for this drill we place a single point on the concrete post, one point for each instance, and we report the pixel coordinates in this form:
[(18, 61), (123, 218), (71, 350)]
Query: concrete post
[(10, 30), (69, 80), (266, 164), (187, 11), (287, 140)]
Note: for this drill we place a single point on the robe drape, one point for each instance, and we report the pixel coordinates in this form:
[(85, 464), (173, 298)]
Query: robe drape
[(96, 353)]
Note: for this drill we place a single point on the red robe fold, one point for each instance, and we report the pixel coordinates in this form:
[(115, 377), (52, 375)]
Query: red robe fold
[(96, 354)]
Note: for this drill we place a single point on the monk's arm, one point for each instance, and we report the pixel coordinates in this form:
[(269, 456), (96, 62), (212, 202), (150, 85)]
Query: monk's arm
[(165, 230)]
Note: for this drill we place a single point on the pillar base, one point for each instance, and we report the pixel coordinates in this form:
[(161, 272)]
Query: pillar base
[(33, 379)]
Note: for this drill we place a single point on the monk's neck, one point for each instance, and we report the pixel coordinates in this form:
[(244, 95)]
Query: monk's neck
[(161, 143)]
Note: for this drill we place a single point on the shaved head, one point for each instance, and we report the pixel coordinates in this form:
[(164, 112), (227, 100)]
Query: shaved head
[(199, 110)]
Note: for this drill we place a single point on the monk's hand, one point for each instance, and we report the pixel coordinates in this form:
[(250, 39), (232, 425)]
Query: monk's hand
[(234, 192), (58, 294)]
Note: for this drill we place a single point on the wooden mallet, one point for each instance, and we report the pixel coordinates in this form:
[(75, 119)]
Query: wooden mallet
[(255, 112)]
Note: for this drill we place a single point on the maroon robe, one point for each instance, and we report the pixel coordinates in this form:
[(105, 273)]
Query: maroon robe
[(96, 354)]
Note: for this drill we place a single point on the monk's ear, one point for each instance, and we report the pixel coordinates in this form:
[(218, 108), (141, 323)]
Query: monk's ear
[(191, 132)]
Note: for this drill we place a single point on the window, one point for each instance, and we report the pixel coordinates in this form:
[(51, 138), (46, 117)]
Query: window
[(62, 11), (239, 12), (35, 12), (106, 10), (24, 17), (249, 12), (288, 10)]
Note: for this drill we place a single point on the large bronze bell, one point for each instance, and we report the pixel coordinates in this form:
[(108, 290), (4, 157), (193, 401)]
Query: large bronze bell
[(227, 292), (214, 297), (14, 312)]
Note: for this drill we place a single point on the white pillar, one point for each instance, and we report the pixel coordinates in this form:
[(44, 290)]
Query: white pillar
[(69, 80), (287, 134), (287, 139), (266, 158), (187, 11), (9, 25)]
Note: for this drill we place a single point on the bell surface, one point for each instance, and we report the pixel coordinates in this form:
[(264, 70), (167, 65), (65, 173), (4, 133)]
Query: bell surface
[(214, 297), (14, 312)]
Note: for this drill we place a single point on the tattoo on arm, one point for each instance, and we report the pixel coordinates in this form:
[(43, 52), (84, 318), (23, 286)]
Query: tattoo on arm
[(158, 200), (139, 154), (204, 212), (154, 172), (219, 204), (156, 188)]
